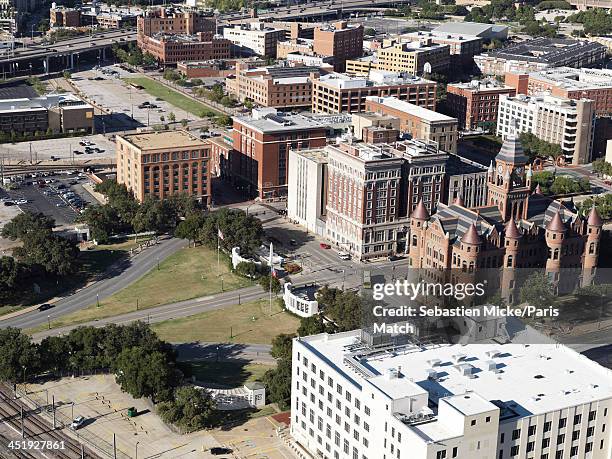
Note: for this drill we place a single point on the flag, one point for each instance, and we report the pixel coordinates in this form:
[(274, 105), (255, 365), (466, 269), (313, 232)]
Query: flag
[(220, 234)]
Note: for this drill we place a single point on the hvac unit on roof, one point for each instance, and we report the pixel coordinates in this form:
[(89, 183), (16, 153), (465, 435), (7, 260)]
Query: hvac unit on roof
[(434, 362), (492, 366), (458, 357), (465, 369), (432, 374), (493, 353)]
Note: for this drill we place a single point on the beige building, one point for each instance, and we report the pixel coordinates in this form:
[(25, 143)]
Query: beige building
[(159, 164), (281, 87), (364, 122), (337, 93), (419, 122), (414, 57)]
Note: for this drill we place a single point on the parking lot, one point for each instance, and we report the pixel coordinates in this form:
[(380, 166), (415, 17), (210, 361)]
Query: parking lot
[(112, 93), (100, 401), (67, 149), (58, 196)]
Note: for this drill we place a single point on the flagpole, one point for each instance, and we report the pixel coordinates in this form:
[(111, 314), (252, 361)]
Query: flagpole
[(271, 271), (218, 245)]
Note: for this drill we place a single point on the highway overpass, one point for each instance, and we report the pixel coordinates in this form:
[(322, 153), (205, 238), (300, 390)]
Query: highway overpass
[(65, 54), (316, 10)]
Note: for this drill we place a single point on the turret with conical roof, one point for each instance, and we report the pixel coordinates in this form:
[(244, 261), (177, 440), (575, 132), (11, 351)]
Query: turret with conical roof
[(418, 225), (555, 234), (420, 211), (471, 236), (591, 250)]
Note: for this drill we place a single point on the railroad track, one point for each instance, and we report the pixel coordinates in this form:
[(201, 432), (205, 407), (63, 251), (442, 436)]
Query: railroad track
[(37, 429), (8, 453)]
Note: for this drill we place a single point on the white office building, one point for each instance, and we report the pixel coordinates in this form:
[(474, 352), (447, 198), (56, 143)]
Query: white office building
[(475, 401), (307, 189), (254, 38), (565, 122)]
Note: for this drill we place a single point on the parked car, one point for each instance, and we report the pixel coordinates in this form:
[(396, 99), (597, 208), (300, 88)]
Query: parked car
[(77, 422), (323, 245)]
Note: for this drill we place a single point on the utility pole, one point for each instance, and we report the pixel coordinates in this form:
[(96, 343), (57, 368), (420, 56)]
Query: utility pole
[(53, 408), (22, 431), (114, 446)]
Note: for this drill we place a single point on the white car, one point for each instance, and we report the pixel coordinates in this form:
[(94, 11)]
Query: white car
[(77, 422), (21, 201)]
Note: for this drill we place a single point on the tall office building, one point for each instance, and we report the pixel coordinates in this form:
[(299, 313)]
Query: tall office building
[(353, 400)]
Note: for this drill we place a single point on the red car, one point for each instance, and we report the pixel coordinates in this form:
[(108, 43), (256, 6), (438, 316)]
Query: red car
[(323, 245)]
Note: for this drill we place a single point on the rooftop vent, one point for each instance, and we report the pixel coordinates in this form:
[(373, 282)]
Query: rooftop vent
[(493, 353), (491, 366), (434, 362), (459, 358), (465, 369)]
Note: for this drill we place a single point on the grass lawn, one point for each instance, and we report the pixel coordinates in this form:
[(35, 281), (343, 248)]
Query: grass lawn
[(248, 322), (230, 374), (189, 273), (93, 262), (175, 98)]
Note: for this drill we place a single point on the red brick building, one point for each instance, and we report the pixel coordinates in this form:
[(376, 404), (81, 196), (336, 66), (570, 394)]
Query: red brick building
[(475, 102), (340, 41), (175, 36), (171, 49), (262, 143)]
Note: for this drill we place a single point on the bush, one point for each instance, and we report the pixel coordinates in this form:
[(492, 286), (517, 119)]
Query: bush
[(247, 269), (190, 409)]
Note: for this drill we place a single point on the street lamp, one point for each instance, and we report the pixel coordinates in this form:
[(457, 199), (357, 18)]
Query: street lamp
[(49, 320)]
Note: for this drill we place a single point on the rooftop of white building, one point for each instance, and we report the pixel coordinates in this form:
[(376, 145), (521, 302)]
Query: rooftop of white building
[(412, 109), (525, 379), (268, 120), (376, 78), (570, 78), (543, 99)]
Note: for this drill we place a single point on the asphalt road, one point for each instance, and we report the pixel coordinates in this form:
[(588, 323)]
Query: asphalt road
[(116, 279)]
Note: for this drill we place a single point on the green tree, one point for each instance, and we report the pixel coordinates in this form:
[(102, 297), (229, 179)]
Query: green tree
[(190, 409), (11, 278), (148, 59), (223, 120), (28, 223), (153, 215), (537, 291), (171, 117), (281, 346), (278, 383), (102, 221), (146, 374), (238, 228), (247, 269), (190, 227), (18, 356), (268, 281), (313, 325)]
